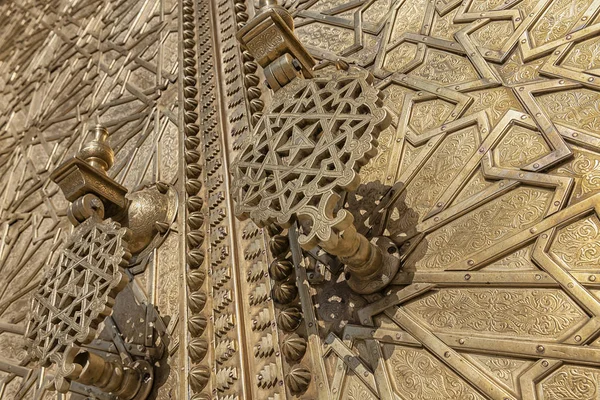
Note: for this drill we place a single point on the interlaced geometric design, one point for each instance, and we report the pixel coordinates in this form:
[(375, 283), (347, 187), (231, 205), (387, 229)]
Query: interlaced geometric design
[(307, 149), (79, 289)]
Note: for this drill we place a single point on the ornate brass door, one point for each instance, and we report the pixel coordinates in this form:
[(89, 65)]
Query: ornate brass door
[(485, 184)]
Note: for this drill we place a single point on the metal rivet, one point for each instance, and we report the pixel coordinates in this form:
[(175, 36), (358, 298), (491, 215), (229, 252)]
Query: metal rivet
[(540, 349)]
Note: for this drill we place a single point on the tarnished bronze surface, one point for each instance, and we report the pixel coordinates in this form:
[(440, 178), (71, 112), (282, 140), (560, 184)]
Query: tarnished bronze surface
[(487, 179)]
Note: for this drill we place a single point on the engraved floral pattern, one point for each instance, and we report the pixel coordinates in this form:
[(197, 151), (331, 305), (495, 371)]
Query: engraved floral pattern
[(475, 185), (356, 390), (409, 18), (519, 260), (394, 96), (323, 5), (418, 375), (490, 223), (446, 68), (377, 11), (585, 55), (496, 102), (376, 168), (439, 171), (578, 244), (327, 37), (484, 5), (557, 20), (570, 383), (585, 167), (445, 27), (505, 312), (515, 72), (493, 35), (429, 114), (410, 153), (505, 369), (577, 108), (398, 57), (519, 147)]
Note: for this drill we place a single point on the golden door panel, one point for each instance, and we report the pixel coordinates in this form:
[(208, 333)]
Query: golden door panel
[(486, 177)]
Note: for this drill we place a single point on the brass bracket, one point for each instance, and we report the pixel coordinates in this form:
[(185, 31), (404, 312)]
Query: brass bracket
[(270, 38), (147, 212)]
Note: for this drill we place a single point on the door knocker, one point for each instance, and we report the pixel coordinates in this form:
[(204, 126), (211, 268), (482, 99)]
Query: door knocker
[(307, 150), (113, 231)]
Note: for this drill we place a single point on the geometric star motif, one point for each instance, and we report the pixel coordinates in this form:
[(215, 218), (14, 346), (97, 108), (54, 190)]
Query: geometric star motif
[(307, 149), (78, 289)]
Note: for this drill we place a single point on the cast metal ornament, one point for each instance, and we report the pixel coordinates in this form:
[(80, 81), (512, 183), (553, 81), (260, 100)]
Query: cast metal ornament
[(490, 168), (78, 290), (80, 287), (305, 152)]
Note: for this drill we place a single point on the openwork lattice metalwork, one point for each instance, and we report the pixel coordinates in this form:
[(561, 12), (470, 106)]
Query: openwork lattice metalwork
[(307, 149), (78, 289)]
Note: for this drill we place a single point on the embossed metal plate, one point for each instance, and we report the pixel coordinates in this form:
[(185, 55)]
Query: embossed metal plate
[(488, 180)]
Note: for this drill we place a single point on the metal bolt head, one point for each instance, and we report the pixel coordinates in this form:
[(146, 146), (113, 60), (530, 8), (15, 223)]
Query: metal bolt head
[(540, 348)]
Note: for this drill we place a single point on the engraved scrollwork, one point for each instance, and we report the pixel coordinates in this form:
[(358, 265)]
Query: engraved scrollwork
[(446, 68), (519, 147), (480, 228), (585, 166), (557, 20), (515, 72), (579, 108), (515, 312), (571, 382), (418, 375), (437, 173), (578, 244), (357, 391), (584, 56)]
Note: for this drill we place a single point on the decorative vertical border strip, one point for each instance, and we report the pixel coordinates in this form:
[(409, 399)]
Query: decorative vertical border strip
[(198, 338), (242, 106), (236, 62), (227, 360)]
